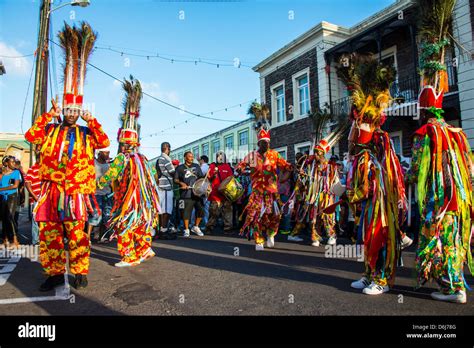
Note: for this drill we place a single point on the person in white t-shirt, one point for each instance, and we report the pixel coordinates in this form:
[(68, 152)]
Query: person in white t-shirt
[(204, 163)]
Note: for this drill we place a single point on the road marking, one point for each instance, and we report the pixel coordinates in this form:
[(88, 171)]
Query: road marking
[(61, 292), (7, 269)]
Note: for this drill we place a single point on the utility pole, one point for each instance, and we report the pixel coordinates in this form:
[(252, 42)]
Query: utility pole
[(40, 92)]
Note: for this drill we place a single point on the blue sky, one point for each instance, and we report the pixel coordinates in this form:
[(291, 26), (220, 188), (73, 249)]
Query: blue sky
[(220, 30)]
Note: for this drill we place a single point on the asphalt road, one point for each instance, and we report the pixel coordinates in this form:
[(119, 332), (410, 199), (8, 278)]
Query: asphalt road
[(220, 275)]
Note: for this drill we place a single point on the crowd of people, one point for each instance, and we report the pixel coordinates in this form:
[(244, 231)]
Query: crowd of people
[(77, 191)]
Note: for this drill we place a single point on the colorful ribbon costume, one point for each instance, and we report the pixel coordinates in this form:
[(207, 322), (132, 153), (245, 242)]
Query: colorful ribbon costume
[(136, 203), (263, 208), (313, 191), (442, 169), (374, 184)]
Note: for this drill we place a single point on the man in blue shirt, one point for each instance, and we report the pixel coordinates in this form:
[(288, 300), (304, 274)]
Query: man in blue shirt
[(9, 182)]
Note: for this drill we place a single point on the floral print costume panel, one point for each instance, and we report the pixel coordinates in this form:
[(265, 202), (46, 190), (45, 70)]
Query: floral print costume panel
[(68, 176)]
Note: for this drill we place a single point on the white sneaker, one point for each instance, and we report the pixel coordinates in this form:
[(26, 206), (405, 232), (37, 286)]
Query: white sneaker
[(126, 264), (186, 233), (375, 289), (406, 242), (315, 243), (173, 229), (259, 247), (147, 255), (153, 232), (294, 239), (457, 297), (270, 242), (360, 284), (197, 230), (332, 240)]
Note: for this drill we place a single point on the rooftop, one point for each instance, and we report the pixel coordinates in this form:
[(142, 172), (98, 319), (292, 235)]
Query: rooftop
[(308, 35), (355, 30)]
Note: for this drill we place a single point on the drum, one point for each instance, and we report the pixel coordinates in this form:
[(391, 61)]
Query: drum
[(338, 189), (202, 187), (231, 188)]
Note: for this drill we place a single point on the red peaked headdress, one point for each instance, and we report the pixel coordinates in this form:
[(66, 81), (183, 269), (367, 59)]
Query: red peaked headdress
[(263, 134), (434, 28)]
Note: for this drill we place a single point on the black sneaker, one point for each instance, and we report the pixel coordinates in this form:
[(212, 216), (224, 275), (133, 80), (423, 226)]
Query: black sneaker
[(52, 282), (80, 281), (163, 235), (171, 236)]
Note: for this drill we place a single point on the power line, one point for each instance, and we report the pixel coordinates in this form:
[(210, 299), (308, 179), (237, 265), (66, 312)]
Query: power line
[(191, 118), (16, 57), (26, 96), (166, 54), (237, 63), (165, 102)]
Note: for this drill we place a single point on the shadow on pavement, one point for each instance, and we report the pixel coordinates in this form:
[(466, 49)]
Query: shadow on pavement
[(24, 283), (251, 268)]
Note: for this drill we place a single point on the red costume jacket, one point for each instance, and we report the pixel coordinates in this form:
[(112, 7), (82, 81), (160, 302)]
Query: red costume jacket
[(216, 178), (67, 153)]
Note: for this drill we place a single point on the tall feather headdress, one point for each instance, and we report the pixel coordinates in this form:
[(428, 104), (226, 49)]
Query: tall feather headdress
[(435, 24), (368, 82), (261, 114), (129, 132), (321, 123), (77, 44)]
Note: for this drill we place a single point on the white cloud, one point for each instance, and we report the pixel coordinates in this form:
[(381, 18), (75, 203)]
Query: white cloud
[(14, 66), (154, 89)]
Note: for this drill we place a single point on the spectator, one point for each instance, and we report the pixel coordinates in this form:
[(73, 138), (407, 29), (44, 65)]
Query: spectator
[(9, 184), (203, 161), (175, 220), (284, 189), (21, 191), (186, 175), (103, 197), (33, 186), (165, 171), (219, 205)]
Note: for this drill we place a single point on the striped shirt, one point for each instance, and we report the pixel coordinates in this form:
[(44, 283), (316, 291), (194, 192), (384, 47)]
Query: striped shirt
[(33, 178), (167, 172)]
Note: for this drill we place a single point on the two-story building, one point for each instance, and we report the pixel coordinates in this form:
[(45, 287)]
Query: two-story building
[(301, 76), (294, 83)]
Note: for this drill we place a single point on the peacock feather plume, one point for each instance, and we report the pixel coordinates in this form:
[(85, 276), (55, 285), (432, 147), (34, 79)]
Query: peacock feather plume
[(368, 82)]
